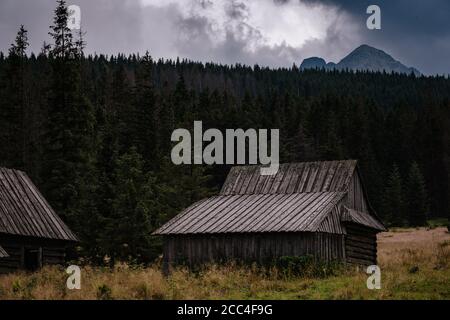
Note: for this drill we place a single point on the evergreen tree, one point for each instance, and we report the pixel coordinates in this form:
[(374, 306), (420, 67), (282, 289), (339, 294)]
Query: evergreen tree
[(393, 203), (181, 101), (166, 119), (300, 146), (143, 124), (61, 34), (69, 137), (120, 108), (127, 233), (416, 197), (80, 43), (21, 44), (48, 128), (13, 131)]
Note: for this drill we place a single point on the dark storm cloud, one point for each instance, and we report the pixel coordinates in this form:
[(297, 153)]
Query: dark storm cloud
[(195, 39), (416, 32)]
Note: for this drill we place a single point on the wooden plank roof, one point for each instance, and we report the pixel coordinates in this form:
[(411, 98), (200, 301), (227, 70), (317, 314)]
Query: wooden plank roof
[(3, 253), (323, 176), (25, 212), (363, 218), (254, 213), (301, 197)]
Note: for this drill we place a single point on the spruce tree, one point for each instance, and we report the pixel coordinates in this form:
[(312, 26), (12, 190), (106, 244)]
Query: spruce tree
[(120, 108), (13, 130), (393, 204), (166, 119), (416, 197), (181, 101), (61, 34), (21, 44), (69, 137), (127, 232), (143, 126)]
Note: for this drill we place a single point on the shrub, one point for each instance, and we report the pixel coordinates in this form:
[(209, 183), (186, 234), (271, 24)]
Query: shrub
[(24, 290), (104, 292), (305, 266)]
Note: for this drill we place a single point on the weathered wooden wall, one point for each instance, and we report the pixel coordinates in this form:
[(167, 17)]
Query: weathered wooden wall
[(251, 247), (360, 245), (51, 252), (355, 195)]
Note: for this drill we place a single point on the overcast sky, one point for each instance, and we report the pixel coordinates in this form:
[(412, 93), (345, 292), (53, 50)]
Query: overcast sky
[(267, 32)]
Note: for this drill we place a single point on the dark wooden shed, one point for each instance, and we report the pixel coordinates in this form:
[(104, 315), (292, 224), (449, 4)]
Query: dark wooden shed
[(31, 233), (312, 208)]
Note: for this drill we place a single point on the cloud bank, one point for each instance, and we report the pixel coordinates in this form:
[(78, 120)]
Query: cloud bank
[(267, 32), (271, 33)]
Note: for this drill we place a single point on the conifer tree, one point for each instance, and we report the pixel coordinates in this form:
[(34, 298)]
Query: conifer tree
[(80, 43), (120, 108), (393, 203), (181, 100), (61, 34), (21, 44), (69, 137), (127, 233), (166, 119), (416, 197), (143, 124), (13, 130)]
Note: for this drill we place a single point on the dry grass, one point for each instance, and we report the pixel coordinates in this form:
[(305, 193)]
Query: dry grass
[(414, 264)]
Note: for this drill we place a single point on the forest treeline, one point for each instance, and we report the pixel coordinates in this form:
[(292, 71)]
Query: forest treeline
[(93, 132)]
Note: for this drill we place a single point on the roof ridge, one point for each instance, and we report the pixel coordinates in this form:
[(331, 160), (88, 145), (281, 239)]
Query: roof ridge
[(309, 176)]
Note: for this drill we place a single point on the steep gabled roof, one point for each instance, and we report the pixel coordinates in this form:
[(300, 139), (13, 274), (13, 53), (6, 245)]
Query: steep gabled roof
[(324, 176), (25, 212), (301, 197), (254, 213)]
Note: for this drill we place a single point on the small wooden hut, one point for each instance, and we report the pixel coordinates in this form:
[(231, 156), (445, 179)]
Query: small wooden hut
[(313, 208), (31, 233)]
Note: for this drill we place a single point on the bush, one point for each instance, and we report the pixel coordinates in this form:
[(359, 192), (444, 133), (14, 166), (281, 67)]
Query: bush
[(104, 292), (305, 266)]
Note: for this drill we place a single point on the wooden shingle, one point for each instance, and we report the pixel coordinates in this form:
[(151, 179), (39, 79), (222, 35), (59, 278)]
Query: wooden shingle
[(325, 176), (25, 212)]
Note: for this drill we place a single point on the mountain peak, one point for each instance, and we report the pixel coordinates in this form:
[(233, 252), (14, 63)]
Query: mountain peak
[(313, 63), (366, 47), (365, 58)]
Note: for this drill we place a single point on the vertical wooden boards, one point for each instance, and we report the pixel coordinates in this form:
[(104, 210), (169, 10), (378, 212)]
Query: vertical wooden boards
[(251, 247)]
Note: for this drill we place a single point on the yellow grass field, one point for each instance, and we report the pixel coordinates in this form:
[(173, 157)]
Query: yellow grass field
[(414, 265)]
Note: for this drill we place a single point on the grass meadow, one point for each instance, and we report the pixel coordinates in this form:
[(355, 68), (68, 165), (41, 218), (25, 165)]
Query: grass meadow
[(414, 265)]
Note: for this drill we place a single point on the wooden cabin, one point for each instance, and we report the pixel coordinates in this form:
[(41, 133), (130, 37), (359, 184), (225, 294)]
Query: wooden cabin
[(31, 233), (312, 208)]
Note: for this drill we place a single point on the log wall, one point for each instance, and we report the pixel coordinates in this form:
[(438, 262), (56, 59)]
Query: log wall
[(50, 252), (360, 245), (251, 247)]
